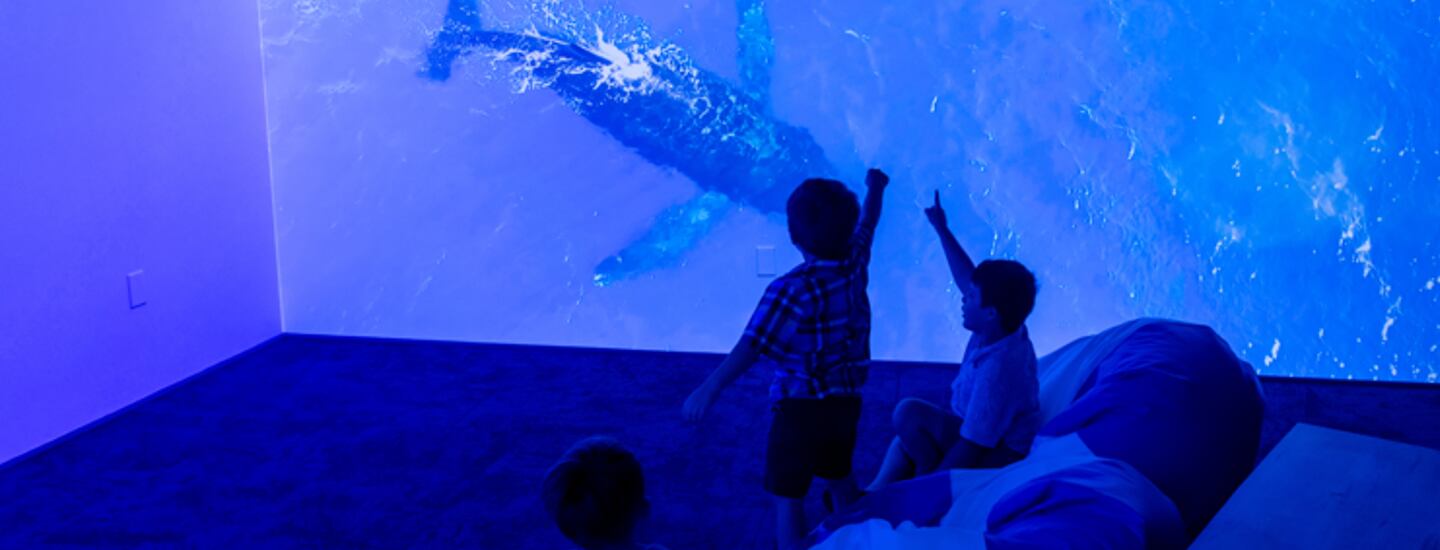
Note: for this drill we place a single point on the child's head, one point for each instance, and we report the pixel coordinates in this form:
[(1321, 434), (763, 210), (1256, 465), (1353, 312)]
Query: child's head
[(1006, 295), (596, 493), (822, 214)]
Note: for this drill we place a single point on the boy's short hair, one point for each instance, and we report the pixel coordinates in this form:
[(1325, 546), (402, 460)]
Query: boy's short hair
[(1009, 288), (822, 214), (596, 492)]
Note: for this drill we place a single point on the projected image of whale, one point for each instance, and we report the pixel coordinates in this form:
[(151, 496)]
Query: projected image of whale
[(1268, 172), (654, 100)]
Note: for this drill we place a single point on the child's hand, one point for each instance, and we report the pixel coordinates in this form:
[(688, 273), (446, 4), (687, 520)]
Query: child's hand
[(696, 405), (877, 180), (936, 214)]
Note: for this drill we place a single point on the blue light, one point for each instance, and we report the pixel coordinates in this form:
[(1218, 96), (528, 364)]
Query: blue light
[(601, 173)]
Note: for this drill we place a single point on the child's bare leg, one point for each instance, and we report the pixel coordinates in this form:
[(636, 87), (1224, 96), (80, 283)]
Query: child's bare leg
[(924, 431), (897, 466), (789, 522)]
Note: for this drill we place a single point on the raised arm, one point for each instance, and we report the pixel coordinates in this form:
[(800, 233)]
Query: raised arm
[(875, 184), (961, 266)]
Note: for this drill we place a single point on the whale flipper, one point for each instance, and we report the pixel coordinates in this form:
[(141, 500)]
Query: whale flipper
[(675, 232)]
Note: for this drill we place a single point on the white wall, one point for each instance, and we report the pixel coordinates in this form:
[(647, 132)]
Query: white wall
[(132, 136)]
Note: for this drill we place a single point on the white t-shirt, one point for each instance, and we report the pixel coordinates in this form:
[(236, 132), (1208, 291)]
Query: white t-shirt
[(997, 393)]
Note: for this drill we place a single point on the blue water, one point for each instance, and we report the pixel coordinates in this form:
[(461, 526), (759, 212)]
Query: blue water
[(602, 173)]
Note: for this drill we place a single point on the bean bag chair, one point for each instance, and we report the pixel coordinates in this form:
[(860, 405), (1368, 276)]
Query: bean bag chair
[(1149, 426)]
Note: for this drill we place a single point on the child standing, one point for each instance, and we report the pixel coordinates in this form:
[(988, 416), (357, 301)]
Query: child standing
[(813, 325)]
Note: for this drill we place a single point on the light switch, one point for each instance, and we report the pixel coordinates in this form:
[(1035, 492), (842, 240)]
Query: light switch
[(135, 281), (765, 261)]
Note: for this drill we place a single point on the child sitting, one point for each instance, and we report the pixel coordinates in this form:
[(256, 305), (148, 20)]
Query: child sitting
[(994, 406), (813, 324), (596, 493)]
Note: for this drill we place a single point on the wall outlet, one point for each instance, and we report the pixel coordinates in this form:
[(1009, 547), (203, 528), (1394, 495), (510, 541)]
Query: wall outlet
[(765, 261), (135, 281)]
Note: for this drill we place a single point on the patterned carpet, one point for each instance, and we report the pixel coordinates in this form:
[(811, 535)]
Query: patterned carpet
[(324, 442), (338, 442)]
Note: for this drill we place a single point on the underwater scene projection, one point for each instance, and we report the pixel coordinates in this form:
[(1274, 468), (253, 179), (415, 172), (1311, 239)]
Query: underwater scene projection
[(613, 173)]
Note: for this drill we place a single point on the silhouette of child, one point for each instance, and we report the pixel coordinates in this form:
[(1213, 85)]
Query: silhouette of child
[(813, 325)]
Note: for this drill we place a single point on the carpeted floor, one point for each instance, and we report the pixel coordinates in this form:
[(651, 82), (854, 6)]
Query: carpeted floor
[(338, 442), (323, 442)]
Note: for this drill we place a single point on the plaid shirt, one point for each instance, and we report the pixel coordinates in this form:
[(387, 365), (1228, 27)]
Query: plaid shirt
[(814, 324)]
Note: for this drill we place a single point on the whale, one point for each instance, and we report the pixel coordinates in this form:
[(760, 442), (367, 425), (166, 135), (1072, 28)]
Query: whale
[(719, 135)]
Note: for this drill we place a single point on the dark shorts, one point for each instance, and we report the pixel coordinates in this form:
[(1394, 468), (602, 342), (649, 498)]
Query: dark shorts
[(810, 438)]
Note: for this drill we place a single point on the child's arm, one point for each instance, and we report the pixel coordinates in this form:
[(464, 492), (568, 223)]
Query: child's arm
[(770, 327), (741, 358), (961, 266), (875, 184)]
